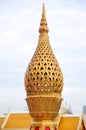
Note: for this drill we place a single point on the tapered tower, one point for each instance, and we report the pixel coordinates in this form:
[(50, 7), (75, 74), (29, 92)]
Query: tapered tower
[(43, 82)]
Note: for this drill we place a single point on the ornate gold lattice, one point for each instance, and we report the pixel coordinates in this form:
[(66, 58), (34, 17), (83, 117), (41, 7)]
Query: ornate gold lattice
[(43, 74), (43, 82)]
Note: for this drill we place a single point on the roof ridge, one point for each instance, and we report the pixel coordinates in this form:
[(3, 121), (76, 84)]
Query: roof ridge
[(5, 120)]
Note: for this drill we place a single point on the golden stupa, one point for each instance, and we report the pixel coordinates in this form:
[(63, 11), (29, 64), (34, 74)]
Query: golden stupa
[(43, 82)]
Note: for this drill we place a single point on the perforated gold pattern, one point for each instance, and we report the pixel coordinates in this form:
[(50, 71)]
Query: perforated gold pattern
[(43, 73), (43, 82)]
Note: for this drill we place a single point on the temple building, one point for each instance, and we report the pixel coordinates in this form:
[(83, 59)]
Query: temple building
[(43, 84), (22, 120)]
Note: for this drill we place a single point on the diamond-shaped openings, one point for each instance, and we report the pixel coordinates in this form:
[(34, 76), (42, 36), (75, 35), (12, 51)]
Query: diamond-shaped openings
[(43, 73)]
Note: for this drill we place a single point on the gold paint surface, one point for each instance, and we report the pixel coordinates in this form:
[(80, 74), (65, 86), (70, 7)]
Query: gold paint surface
[(43, 74), (43, 81)]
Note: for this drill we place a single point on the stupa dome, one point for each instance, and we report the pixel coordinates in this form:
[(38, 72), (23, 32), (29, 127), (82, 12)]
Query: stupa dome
[(43, 74)]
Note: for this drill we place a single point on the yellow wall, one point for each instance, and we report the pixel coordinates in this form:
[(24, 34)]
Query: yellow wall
[(69, 123), (18, 120)]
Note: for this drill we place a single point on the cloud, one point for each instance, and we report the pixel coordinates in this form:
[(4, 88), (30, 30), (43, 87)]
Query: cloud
[(9, 97), (71, 27), (10, 34), (73, 96)]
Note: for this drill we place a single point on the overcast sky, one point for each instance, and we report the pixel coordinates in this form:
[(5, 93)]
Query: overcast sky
[(19, 23)]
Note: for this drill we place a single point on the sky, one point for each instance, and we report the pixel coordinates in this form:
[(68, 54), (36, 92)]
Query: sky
[(19, 23)]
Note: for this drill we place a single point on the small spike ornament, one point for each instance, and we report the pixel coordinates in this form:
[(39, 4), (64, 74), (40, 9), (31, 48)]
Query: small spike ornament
[(43, 24)]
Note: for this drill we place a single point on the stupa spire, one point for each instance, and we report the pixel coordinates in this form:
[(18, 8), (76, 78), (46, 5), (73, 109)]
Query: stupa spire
[(43, 24), (43, 82), (43, 10)]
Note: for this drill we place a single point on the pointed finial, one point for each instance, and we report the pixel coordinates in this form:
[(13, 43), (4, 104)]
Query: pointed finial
[(43, 24), (43, 10)]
